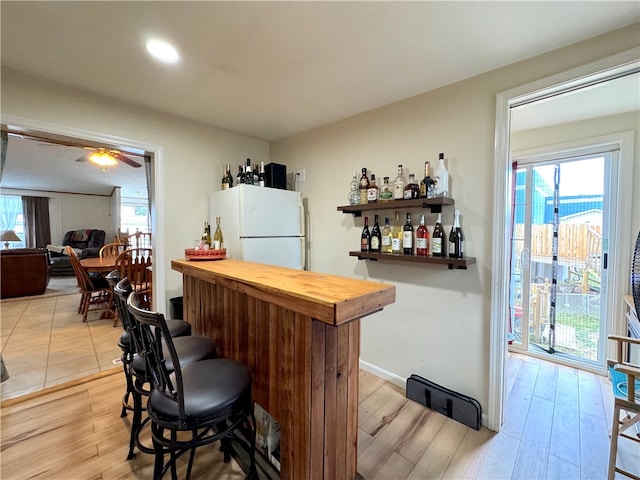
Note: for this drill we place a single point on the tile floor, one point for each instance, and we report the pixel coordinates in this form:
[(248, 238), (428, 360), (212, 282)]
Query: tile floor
[(45, 343)]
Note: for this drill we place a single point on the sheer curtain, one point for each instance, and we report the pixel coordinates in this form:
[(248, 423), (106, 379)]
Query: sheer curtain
[(10, 208), (37, 230)]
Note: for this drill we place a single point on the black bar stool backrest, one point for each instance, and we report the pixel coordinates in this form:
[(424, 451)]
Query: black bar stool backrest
[(155, 342)]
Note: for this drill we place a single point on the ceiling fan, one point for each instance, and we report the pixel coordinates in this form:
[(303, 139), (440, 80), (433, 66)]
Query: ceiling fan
[(106, 157)]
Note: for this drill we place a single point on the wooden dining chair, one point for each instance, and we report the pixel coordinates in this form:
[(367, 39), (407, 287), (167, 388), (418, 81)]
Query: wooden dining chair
[(135, 264), (112, 249), (139, 240), (95, 294)]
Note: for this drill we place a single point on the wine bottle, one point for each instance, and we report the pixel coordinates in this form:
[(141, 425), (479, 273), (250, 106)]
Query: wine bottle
[(248, 173), (229, 176), (225, 179), (205, 240), (365, 238), (386, 236), (456, 239), (396, 240), (262, 178), (438, 241), (364, 186), (407, 236), (218, 239), (240, 174), (398, 185), (376, 236), (422, 238), (373, 190), (442, 178), (426, 185)]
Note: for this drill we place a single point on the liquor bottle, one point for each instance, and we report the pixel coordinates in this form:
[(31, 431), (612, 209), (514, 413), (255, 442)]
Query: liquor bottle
[(229, 176), (386, 236), (225, 179), (422, 238), (373, 190), (441, 173), (411, 189), (386, 192), (205, 240), (364, 186), (262, 178), (240, 174), (365, 238), (218, 239), (456, 239), (438, 239), (376, 237), (407, 237), (354, 191), (427, 183), (398, 185), (255, 174), (396, 240), (248, 173)]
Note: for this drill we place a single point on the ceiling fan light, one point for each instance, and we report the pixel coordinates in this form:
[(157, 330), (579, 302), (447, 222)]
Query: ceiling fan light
[(104, 159), (162, 51)]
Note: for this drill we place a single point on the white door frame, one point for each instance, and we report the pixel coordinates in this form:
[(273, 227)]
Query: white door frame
[(156, 193), (615, 66)]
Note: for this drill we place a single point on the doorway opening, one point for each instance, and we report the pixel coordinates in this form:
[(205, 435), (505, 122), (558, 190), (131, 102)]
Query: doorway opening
[(558, 286)]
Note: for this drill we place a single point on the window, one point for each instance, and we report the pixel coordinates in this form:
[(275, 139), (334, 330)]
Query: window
[(134, 215), (11, 217)]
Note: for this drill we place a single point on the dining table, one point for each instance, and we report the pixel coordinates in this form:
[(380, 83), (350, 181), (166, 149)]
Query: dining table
[(98, 264)]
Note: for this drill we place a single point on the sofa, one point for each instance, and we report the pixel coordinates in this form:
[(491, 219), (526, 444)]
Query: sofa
[(25, 271), (87, 243)]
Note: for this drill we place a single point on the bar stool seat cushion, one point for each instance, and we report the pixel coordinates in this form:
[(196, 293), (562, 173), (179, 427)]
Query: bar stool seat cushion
[(211, 389)]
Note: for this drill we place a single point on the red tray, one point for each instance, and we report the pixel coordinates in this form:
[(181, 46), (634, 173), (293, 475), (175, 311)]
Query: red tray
[(195, 254)]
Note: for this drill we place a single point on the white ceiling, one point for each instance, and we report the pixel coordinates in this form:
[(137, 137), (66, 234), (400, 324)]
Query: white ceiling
[(270, 70)]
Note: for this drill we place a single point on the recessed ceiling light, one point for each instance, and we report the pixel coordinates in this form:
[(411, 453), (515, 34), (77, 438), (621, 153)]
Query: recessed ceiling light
[(162, 51)]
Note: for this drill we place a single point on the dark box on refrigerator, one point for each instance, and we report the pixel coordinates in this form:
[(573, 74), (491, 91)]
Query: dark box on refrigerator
[(276, 175)]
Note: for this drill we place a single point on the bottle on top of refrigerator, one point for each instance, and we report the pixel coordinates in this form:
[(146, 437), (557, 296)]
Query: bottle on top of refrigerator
[(396, 240), (248, 173), (438, 239), (441, 173), (218, 239), (240, 174), (229, 176), (398, 185), (365, 238), (386, 236), (225, 179), (262, 178), (456, 239), (422, 238), (376, 237)]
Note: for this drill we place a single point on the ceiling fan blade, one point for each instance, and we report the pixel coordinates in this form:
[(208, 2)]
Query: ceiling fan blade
[(124, 159)]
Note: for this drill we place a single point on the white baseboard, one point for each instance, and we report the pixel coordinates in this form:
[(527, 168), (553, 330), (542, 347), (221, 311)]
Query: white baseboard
[(385, 375)]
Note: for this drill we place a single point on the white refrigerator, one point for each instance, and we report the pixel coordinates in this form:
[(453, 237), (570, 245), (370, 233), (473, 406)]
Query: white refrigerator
[(260, 224)]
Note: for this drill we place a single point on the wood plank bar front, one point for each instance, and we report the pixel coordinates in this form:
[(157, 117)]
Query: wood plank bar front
[(299, 333)]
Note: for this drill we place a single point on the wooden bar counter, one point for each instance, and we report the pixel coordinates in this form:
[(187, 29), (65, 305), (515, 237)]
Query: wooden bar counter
[(299, 332)]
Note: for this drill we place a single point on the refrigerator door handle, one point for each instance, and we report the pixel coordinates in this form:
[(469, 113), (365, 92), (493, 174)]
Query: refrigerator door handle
[(303, 253)]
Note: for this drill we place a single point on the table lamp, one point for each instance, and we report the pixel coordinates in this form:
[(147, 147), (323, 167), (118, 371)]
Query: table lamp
[(9, 236)]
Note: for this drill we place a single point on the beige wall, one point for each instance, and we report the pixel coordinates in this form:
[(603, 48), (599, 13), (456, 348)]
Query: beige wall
[(439, 326), (192, 154)]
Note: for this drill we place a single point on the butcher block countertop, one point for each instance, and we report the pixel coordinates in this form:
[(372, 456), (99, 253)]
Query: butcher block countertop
[(328, 298)]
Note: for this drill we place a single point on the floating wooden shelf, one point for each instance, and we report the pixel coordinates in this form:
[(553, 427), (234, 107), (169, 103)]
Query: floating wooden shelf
[(435, 204), (457, 263)]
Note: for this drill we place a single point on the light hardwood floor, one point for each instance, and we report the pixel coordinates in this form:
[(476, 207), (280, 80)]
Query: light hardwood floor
[(557, 428)]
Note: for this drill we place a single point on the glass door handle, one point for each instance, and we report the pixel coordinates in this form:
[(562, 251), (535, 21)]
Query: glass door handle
[(524, 257)]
